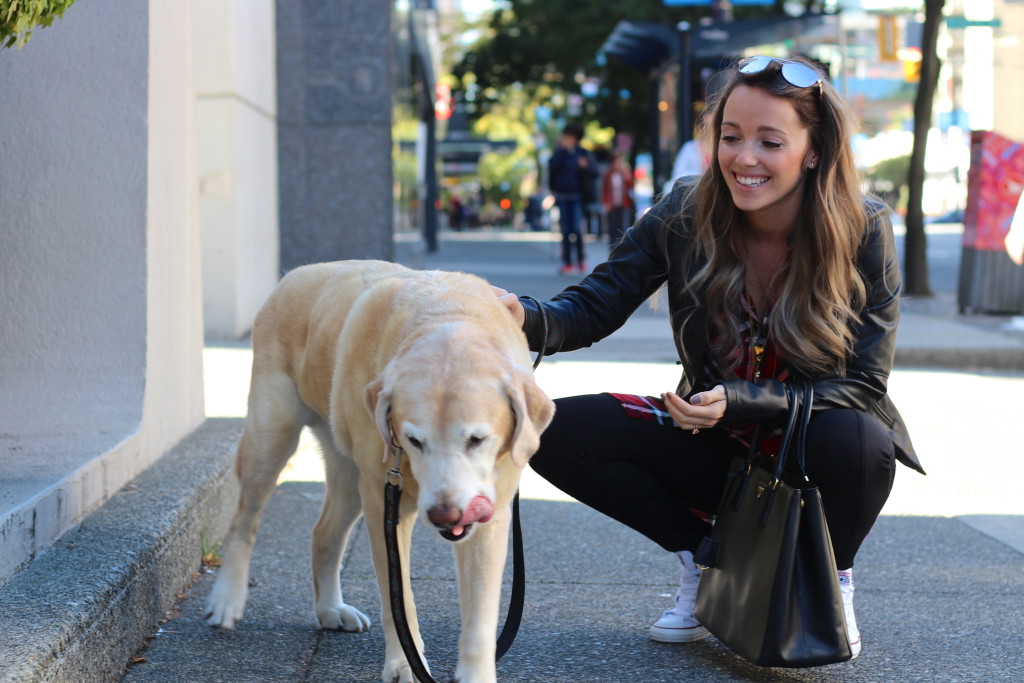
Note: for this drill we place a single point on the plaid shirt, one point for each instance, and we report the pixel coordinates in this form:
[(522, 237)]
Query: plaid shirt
[(771, 367)]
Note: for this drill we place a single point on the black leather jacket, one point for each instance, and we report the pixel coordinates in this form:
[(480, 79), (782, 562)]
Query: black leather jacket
[(652, 254)]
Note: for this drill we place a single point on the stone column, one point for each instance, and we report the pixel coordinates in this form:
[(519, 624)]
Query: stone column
[(334, 89)]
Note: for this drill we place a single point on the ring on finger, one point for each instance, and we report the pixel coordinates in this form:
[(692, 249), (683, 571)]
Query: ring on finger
[(695, 430)]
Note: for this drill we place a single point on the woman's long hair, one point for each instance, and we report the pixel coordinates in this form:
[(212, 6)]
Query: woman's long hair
[(820, 292)]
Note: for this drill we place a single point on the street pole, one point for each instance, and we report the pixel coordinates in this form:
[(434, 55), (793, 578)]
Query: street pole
[(684, 85), (657, 164), (841, 38)]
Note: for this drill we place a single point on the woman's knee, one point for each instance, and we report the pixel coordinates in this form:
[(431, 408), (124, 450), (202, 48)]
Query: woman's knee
[(851, 457), (847, 443), (846, 434)]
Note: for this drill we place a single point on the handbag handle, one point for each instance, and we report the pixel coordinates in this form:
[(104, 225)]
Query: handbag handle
[(794, 435), (805, 419), (793, 416)]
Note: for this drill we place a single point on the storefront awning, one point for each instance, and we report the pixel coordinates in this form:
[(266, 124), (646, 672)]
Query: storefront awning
[(649, 46)]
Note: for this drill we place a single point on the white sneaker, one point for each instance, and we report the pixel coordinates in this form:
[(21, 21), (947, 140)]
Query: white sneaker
[(678, 625), (846, 589)]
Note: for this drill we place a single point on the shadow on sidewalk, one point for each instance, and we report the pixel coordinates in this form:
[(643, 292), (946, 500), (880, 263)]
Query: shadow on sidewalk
[(928, 609)]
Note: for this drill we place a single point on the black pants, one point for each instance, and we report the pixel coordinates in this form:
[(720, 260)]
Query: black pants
[(570, 213), (618, 221), (652, 477)]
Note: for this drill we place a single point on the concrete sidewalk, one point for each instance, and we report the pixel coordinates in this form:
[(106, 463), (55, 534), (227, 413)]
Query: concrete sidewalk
[(940, 580)]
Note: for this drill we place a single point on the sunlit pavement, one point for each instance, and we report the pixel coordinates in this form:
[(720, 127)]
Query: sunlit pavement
[(965, 425), (962, 424)]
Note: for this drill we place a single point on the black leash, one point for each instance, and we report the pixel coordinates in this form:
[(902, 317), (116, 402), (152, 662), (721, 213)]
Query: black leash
[(392, 497), (517, 598)]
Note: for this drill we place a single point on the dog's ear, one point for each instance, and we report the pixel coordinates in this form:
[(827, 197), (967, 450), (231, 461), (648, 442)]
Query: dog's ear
[(377, 397), (532, 410)]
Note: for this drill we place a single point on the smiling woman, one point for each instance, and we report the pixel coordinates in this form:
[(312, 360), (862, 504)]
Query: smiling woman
[(764, 151), (779, 271)]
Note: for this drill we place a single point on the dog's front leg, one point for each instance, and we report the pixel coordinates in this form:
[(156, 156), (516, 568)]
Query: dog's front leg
[(481, 561), (396, 667), (342, 508)]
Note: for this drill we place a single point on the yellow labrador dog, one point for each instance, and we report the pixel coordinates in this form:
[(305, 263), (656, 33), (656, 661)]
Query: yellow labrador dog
[(364, 352)]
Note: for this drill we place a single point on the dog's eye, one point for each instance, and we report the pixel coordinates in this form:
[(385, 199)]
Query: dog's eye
[(416, 443), (474, 441)]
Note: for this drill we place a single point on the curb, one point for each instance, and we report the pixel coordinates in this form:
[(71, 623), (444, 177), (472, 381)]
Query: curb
[(963, 360), (80, 611)]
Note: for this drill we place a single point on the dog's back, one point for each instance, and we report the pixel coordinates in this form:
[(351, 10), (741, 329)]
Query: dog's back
[(342, 321)]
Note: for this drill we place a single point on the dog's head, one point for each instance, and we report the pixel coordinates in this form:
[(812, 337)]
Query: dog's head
[(457, 422)]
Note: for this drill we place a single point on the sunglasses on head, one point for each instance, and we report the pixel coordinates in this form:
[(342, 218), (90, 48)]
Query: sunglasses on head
[(795, 73)]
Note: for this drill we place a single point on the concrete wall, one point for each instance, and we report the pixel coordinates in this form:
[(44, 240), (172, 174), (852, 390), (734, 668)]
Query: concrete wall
[(237, 128), (100, 324), (334, 94)]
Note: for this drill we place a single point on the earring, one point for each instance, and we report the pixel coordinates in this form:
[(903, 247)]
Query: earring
[(810, 165)]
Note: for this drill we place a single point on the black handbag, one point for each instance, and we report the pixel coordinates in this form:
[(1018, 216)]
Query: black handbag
[(769, 588)]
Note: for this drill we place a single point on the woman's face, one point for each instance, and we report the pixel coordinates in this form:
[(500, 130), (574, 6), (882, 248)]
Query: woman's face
[(763, 152)]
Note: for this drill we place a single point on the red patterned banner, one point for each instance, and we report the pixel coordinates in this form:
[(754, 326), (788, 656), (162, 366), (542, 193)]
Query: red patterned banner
[(994, 186)]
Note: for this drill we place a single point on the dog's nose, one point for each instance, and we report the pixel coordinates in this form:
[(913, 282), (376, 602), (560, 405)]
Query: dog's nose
[(444, 515)]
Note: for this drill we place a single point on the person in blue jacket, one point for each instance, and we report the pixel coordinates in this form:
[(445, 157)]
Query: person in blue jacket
[(778, 269), (571, 175)]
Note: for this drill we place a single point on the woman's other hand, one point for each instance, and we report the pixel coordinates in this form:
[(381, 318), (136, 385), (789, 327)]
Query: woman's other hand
[(511, 302), (703, 410)]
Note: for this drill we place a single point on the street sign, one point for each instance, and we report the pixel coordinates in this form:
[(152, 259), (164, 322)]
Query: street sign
[(955, 21), (888, 38)]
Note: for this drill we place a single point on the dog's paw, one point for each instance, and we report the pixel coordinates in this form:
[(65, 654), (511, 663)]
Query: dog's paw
[(465, 673), (343, 618), (398, 671), (224, 607)]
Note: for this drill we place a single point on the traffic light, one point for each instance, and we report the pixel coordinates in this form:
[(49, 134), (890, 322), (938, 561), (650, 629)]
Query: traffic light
[(912, 68)]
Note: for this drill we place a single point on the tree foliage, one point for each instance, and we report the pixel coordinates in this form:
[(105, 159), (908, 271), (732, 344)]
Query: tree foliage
[(19, 17), (551, 47)]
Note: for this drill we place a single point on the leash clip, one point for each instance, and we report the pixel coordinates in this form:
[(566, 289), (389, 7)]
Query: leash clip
[(394, 477)]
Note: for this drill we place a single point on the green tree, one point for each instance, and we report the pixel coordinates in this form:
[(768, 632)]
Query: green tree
[(501, 174), (19, 17), (552, 46)]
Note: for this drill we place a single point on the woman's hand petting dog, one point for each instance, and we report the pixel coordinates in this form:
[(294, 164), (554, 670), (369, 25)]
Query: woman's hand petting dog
[(511, 302)]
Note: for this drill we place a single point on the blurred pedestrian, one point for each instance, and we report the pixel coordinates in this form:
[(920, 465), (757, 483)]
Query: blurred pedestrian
[(533, 212), (456, 213), (778, 270), (617, 197), (693, 156), (569, 170)]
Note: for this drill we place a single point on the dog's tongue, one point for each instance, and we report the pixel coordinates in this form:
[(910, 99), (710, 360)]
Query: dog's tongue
[(480, 509)]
